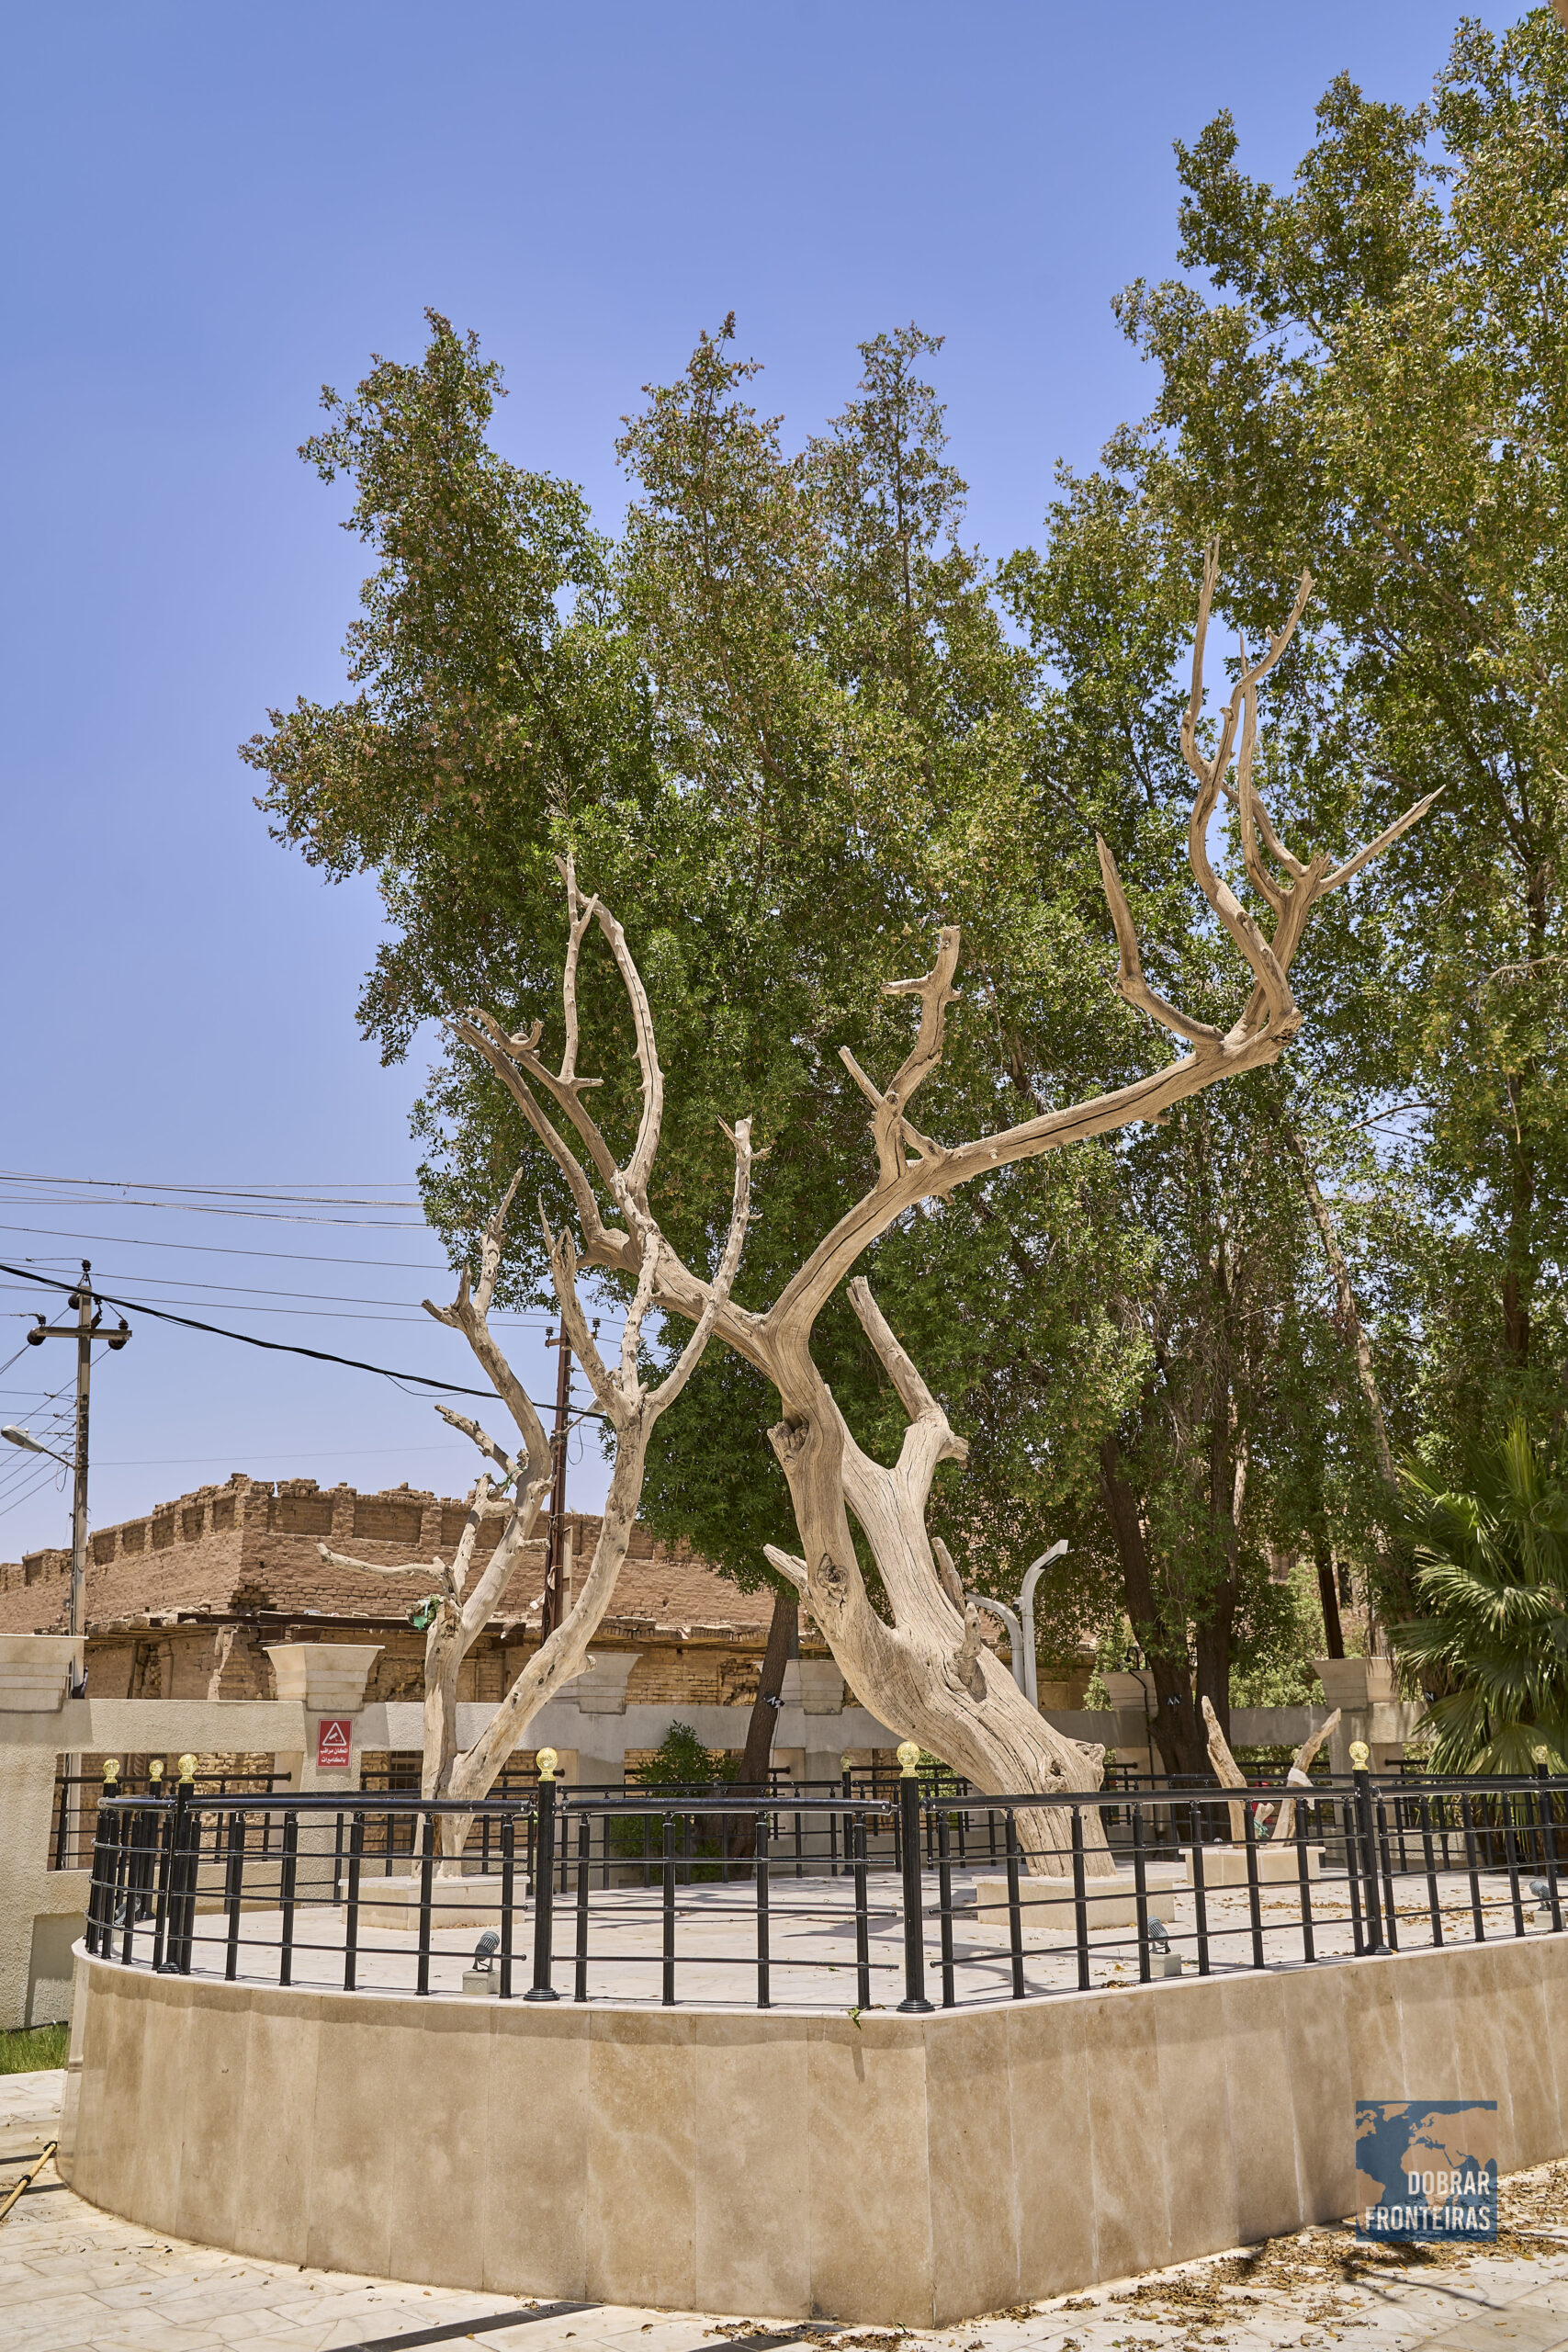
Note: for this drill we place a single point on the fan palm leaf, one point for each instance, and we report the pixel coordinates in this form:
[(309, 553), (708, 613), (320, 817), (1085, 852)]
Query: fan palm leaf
[(1492, 1575)]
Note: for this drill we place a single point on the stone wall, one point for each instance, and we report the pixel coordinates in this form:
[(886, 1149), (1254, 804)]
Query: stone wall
[(884, 2169), (183, 1604), (249, 1549)]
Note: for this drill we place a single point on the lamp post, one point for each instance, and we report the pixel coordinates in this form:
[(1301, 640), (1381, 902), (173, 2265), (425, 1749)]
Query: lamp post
[(1021, 1623), (89, 1314)]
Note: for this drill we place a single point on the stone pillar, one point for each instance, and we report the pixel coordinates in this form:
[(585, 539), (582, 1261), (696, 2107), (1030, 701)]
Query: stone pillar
[(328, 1679), (600, 1695), (818, 1691), (1357, 1686), (42, 1912)]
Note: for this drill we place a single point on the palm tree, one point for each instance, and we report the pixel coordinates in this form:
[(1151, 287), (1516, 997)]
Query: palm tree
[(1493, 1572)]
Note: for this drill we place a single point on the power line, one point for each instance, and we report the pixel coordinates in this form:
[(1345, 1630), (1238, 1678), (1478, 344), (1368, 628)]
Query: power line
[(252, 1192), (327, 1299), (210, 1209), (216, 1249), (276, 1347)]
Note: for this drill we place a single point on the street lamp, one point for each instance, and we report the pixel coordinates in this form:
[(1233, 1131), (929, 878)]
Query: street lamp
[(1020, 1625), (29, 1443)]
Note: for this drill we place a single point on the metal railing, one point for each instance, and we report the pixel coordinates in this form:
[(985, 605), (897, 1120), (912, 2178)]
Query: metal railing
[(77, 1797), (880, 1891)]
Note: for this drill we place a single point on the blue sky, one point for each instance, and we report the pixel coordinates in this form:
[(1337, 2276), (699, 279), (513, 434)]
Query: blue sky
[(213, 210)]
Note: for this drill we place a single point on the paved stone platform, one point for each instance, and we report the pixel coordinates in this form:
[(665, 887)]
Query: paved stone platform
[(74, 2280)]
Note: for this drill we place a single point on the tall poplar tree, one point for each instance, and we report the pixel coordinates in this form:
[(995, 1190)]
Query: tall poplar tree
[(1366, 373)]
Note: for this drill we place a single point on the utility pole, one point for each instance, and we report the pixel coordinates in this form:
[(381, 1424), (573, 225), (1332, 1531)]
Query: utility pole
[(89, 1314), (555, 1527), (549, 1606)]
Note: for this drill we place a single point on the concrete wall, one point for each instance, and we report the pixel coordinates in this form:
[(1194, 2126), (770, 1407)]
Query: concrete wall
[(42, 1910), (896, 2170)]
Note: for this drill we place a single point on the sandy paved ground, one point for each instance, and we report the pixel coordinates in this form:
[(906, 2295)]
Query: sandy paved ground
[(74, 2280)]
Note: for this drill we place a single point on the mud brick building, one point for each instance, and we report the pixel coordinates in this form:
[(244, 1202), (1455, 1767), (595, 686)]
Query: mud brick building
[(183, 1604)]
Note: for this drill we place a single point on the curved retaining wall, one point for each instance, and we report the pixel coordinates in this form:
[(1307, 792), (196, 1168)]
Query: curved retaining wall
[(780, 2165)]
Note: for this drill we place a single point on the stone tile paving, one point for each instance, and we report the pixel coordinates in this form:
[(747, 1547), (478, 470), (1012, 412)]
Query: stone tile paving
[(74, 2280)]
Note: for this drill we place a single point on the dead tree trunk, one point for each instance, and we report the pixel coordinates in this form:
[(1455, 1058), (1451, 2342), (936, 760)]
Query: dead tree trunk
[(927, 1674), (627, 1404)]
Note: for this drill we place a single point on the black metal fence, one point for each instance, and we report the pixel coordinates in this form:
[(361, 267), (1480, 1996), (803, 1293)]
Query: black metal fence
[(624, 1893), (78, 1794)]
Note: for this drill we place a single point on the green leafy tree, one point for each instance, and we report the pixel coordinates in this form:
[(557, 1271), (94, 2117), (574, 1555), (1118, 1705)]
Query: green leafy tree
[(785, 724), (1365, 372)]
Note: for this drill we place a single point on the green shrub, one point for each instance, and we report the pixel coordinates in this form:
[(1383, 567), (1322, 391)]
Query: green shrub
[(680, 1761)]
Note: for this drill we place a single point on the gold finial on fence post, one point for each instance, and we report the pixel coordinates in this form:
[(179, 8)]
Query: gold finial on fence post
[(908, 1758), (111, 1771), (546, 1761), (188, 1770)]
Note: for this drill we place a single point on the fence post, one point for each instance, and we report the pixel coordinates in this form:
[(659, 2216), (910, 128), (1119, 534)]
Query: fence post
[(944, 1905), (1366, 1838), (351, 1915), (863, 1915), (1303, 1878), (61, 1833), (1080, 1901), (908, 1819), (584, 1877), (1511, 1854), (1015, 1907), (667, 1898), (1254, 1903), (288, 1872), (1434, 1909), (233, 1889), (764, 1956), (1391, 1909), (1140, 1891), (188, 1842), (544, 1879), (100, 1898), (426, 1898), (164, 1819), (508, 1892), (1549, 1843), (1200, 1891)]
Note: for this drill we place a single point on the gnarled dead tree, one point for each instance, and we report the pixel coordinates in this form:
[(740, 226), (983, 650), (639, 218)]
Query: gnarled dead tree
[(927, 1674), (461, 1610)]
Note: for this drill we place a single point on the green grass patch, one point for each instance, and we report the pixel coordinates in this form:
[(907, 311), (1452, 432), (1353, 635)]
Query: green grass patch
[(28, 2050)]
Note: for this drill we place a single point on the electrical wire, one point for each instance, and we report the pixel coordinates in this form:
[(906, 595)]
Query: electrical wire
[(327, 1310), (18, 1500), (204, 1208), (252, 1192), (293, 1257), (57, 1425), (218, 1248), (277, 1347)]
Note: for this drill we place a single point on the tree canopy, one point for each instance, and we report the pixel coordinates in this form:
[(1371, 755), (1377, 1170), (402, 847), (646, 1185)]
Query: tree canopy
[(788, 721)]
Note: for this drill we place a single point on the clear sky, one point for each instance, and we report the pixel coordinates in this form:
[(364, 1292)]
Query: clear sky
[(214, 210)]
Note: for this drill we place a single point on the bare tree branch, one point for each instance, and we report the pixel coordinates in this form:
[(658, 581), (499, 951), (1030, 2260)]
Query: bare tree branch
[(435, 1567), (787, 1566)]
